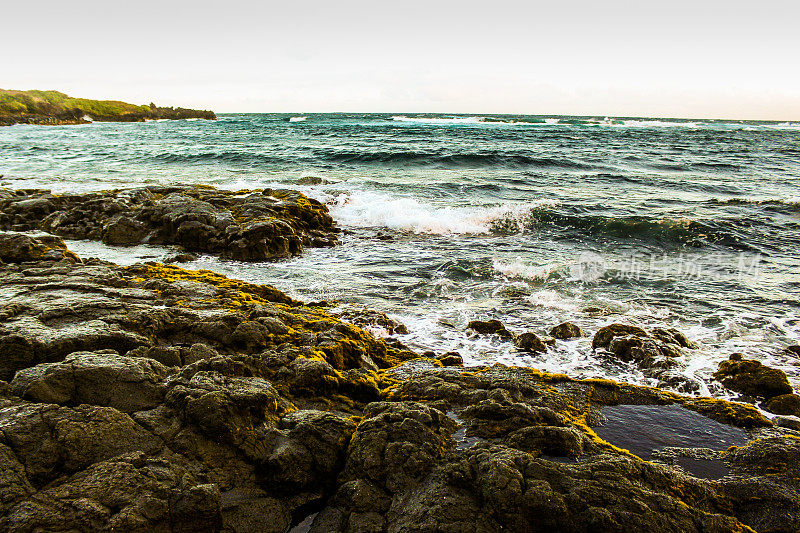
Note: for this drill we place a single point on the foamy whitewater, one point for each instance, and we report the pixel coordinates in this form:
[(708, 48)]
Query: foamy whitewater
[(532, 220)]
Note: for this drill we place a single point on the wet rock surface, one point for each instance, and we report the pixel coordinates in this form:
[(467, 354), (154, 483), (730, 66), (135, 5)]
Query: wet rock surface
[(254, 225), (490, 327), (374, 320), (152, 398), (753, 378), (566, 330), (655, 352), (529, 342)]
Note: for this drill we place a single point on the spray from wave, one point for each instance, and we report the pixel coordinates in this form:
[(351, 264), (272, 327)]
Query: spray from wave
[(368, 209)]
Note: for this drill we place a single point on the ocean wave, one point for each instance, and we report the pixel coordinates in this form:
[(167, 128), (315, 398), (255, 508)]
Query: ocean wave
[(518, 269), (227, 156), (557, 121), (652, 230), (363, 209), (450, 160), (298, 119), (655, 124), (439, 120), (793, 202), (369, 210), (784, 126)]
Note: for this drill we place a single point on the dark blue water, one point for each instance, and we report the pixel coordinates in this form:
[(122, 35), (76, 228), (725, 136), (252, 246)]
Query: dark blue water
[(533, 220)]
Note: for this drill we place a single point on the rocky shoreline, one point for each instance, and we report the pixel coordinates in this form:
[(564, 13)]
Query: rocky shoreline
[(72, 117), (254, 225), (154, 398)]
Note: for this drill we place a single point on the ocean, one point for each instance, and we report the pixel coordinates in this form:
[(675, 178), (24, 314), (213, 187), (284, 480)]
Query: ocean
[(533, 220)]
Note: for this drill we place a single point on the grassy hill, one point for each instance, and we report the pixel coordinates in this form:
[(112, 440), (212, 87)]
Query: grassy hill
[(53, 107)]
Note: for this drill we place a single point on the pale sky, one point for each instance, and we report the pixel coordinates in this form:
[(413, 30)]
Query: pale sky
[(676, 58)]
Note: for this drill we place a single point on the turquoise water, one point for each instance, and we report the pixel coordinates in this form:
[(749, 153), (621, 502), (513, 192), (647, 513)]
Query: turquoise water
[(532, 220)]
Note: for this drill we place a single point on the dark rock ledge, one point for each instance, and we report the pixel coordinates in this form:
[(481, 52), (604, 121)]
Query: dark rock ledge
[(152, 398), (254, 225)]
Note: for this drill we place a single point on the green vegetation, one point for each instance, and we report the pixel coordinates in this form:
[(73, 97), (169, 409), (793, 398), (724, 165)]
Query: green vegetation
[(53, 107), (54, 102)]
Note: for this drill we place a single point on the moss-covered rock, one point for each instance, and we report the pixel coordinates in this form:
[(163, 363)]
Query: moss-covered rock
[(566, 330), (785, 404), (753, 378), (244, 225), (200, 403), (490, 327)]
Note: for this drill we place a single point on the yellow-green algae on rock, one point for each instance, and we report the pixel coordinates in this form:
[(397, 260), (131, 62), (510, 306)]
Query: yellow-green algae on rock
[(157, 398), (247, 225)]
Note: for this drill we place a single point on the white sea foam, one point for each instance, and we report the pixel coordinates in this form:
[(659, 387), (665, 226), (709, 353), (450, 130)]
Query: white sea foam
[(521, 270), (439, 120), (367, 210), (298, 119), (785, 126), (474, 120), (659, 124)]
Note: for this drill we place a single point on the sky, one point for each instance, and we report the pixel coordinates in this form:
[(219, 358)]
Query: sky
[(677, 58)]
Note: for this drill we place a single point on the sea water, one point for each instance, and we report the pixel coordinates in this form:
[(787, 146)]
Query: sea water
[(534, 220)]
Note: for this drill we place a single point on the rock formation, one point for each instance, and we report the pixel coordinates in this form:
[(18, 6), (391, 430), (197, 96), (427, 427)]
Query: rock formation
[(244, 225), (153, 398)]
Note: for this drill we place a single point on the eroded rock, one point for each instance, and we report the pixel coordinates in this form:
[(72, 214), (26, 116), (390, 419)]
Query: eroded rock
[(753, 378), (490, 327), (244, 225), (194, 402), (566, 330)]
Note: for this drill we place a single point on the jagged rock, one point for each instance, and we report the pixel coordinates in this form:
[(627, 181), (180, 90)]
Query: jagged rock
[(124, 230), (243, 225), (753, 378), (125, 383), (224, 407), (529, 342), (396, 444), (18, 248), (310, 451), (566, 330), (180, 258), (126, 493), (369, 318), (210, 404), (785, 404), (788, 421), (779, 459), (198, 352), (14, 484), (451, 359), (655, 352), (606, 334), (793, 349), (490, 327), (50, 440)]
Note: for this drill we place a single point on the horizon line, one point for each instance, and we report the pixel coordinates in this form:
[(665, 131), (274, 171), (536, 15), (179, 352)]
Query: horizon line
[(489, 115)]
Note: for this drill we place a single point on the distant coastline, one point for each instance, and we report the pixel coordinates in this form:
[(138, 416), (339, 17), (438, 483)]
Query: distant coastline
[(53, 108)]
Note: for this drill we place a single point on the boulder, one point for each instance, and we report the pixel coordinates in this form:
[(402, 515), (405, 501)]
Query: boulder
[(490, 327), (529, 342), (369, 318), (753, 378), (243, 225), (785, 404), (451, 359), (19, 248), (125, 383), (566, 330)]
